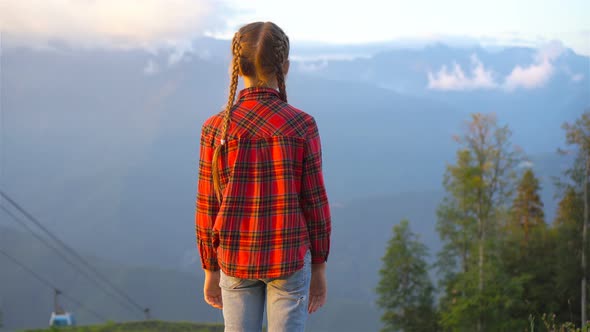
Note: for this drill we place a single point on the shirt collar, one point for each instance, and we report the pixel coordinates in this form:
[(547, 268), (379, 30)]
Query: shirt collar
[(257, 93)]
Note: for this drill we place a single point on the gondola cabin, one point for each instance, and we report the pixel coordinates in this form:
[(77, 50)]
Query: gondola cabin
[(62, 319)]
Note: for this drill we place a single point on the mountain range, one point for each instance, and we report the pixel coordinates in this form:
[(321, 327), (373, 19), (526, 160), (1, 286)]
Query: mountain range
[(102, 146)]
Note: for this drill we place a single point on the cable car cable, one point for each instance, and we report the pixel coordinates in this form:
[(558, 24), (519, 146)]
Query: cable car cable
[(50, 285), (65, 258), (72, 252)]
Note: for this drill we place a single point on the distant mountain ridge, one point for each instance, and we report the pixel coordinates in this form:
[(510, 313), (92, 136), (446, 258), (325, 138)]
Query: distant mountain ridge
[(91, 140), (102, 146)]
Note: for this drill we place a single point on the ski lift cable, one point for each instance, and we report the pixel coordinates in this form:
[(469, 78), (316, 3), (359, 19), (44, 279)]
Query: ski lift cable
[(73, 253), (65, 258), (50, 285)]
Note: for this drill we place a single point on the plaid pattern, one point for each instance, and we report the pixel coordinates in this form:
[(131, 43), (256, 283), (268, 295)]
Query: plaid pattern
[(274, 205)]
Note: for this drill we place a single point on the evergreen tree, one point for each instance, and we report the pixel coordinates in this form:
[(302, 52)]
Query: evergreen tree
[(527, 208), (578, 135), (527, 254), (568, 244), (405, 290), (570, 211)]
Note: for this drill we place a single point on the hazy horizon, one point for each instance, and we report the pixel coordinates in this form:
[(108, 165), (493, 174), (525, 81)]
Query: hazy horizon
[(102, 104)]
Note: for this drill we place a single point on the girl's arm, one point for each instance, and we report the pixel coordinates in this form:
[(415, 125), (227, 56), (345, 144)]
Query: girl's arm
[(206, 204), (314, 200)]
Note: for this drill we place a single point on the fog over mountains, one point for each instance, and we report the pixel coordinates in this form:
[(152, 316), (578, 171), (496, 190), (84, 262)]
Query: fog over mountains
[(102, 146)]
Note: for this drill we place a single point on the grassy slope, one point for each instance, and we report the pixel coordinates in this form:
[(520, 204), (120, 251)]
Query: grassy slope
[(142, 326)]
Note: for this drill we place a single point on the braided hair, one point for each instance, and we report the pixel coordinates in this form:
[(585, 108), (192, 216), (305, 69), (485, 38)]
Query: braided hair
[(281, 43), (259, 50)]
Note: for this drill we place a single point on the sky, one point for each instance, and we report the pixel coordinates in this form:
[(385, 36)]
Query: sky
[(380, 20), (152, 23)]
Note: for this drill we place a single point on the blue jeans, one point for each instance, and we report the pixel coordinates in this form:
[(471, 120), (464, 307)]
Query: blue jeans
[(286, 301)]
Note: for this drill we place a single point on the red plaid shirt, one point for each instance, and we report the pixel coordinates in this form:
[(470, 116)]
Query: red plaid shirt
[(274, 205)]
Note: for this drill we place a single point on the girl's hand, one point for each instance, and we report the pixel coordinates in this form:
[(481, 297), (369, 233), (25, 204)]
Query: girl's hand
[(211, 289), (318, 288)]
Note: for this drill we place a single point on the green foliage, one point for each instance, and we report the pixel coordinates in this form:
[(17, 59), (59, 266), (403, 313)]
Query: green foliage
[(578, 133), (457, 225), (567, 252), (527, 208), (405, 290), (550, 324), (502, 266), (527, 253), (141, 326), (462, 302), (478, 186), (578, 136)]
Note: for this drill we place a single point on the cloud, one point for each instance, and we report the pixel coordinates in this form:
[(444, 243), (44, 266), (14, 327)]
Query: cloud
[(108, 23), (526, 164), (535, 75), (151, 68), (179, 51), (337, 205), (312, 66), (577, 77), (538, 73), (456, 79), (189, 258)]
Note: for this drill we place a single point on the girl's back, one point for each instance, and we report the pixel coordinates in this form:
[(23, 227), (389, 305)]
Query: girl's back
[(262, 212), (270, 175)]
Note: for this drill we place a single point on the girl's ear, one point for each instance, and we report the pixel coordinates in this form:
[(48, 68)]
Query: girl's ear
[(286, 67)]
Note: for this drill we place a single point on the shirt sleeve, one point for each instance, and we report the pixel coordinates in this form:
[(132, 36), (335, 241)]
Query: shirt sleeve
[(207, 205), (314, 200)]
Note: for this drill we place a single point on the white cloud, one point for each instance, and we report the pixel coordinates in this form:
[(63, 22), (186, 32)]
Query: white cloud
[(151, 68), (189, 258), (550, 51), (179, 51), (537, 74), (482, 78), (526, 164), (108, 23), (337, 205), (456, 79), (533, 76), (577, 77), (312, 66)]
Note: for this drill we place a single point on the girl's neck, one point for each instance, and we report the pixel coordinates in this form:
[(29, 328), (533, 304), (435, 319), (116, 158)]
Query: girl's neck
[(254, 82)]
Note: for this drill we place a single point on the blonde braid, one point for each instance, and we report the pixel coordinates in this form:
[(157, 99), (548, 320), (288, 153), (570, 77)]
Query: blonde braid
[(282, 53), (236, 51)]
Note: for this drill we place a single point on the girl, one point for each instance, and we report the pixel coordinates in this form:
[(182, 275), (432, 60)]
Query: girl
[(262, 219)]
